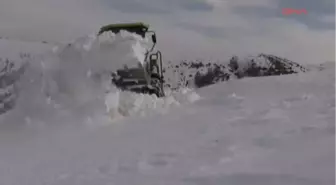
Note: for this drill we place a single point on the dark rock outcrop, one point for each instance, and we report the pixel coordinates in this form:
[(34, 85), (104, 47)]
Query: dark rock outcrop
[(9, 76)]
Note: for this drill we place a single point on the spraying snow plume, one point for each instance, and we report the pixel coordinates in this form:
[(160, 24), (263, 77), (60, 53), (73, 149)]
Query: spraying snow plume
[(75, 79)]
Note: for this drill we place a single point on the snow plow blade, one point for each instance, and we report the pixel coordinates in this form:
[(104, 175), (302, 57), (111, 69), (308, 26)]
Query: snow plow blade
[(147, 78)]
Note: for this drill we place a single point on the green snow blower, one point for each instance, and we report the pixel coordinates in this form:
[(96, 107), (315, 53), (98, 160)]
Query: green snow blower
[(147, 78)]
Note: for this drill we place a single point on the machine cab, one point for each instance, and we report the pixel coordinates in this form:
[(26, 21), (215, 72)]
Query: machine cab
[(143, 79), (138, 28)]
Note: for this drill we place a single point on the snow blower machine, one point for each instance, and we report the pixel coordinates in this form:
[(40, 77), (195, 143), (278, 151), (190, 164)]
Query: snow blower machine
[(146, 78)]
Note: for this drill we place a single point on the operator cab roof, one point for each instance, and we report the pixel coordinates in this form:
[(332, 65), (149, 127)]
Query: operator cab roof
[(137, 27)]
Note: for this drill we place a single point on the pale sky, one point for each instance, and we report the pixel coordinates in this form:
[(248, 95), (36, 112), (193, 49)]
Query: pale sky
[(186, 29)]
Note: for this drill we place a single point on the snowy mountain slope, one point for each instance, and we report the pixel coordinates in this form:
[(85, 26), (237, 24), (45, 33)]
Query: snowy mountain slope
[(13, 49), (275, 130), (69, 126), (200, 73)]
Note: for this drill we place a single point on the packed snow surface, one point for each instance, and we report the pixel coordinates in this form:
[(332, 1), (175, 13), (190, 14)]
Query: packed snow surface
[(71, 127)]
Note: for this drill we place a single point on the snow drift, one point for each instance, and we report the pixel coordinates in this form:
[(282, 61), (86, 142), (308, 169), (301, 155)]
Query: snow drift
[(76, 77), (260, 131), (278, 130), (78, 74)]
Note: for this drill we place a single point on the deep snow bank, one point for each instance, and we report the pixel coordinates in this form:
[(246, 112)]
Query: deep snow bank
[(277, 130), (78, 75)]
